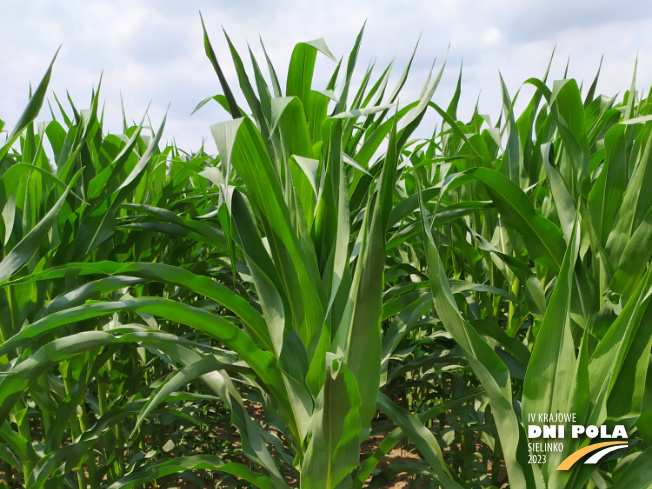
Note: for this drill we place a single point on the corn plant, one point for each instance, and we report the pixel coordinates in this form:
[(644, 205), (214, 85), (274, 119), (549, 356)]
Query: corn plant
[(299, 222), (565, 195), (252, 318)]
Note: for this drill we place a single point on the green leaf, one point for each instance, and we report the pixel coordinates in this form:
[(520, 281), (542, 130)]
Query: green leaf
[(292, 254), (22, 252), (549, 385), (157, 470), (542, 238), (484, 361), (605, 197), (637, 473), (31, 111), (334, 450), (568, 112), (422, 438), (233, 106)]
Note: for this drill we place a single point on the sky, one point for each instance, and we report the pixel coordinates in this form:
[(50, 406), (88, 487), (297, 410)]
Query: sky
[(150, 53)]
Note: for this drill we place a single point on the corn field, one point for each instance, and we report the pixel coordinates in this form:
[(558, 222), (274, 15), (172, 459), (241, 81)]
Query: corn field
[(328, 290)]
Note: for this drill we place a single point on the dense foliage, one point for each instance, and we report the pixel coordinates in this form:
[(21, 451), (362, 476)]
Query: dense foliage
[(252, 319)]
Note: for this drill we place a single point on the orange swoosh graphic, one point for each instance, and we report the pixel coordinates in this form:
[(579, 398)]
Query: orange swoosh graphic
[(574, 457)]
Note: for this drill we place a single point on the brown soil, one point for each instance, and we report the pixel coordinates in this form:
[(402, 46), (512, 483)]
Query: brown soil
[(397, 454)]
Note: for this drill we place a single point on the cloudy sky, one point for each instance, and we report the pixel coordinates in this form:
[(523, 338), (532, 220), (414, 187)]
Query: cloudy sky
[(152, 51)]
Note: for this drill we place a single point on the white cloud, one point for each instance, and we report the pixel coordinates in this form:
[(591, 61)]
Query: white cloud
[(152, 51)]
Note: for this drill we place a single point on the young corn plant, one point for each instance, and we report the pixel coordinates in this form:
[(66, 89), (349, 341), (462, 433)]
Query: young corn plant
[(567, 213), (56, 385), (324, 273), (297, 211)]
